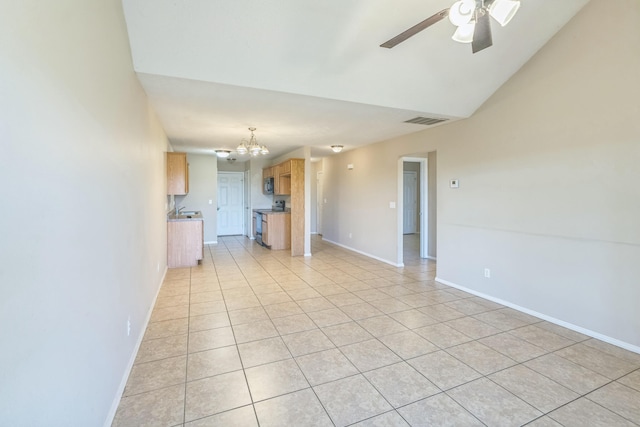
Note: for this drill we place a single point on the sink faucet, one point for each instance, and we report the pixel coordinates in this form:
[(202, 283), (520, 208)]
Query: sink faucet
[(178, 209)]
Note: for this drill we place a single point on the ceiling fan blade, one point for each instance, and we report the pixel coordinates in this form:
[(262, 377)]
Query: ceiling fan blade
[(482, 34), (416, 29)]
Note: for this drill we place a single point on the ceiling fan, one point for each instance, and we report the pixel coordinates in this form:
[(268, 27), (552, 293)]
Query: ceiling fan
[(472, 19)]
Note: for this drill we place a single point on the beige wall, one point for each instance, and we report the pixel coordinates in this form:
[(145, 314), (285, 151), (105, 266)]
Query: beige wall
[(548, 170), (203, 186), (83, 222), (432, 179), (315, 168)]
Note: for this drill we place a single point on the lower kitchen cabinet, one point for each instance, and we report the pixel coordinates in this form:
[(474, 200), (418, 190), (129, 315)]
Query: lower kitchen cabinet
[(276, 230), (185, 243)]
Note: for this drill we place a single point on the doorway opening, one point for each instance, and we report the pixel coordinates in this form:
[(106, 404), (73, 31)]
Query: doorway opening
[(417, 209)]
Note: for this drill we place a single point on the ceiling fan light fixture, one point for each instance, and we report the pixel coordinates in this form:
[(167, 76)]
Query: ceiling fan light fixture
[(337, 148), (464, 33), (504, 10), (223, 154), (461, 12)]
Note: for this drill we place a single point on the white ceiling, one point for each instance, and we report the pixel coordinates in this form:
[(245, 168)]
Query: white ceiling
[(312, 73)]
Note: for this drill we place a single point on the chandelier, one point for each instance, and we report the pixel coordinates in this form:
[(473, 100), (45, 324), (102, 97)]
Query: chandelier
[(252, 147)]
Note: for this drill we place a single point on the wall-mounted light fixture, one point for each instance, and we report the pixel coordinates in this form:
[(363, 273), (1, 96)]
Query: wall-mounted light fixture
[(337, 148)]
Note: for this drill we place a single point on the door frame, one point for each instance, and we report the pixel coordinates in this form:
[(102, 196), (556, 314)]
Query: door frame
[(424, 207)]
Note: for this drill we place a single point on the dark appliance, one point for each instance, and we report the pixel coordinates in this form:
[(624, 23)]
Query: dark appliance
[(259, 228), (268, 185), (278, 205)]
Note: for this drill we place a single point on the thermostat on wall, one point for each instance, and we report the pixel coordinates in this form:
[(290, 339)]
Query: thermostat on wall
[(454, 183)]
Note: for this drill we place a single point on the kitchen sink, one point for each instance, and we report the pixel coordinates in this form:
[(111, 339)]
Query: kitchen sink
[(189, 213)]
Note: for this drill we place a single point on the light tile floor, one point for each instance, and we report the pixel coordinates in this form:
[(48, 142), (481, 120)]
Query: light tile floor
[(254, 337)]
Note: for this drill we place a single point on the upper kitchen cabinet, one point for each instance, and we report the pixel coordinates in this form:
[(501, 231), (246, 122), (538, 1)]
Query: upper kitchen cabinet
[(177, 174), (282, 177)]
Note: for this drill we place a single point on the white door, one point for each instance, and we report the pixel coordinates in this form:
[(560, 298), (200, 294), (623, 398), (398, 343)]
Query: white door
[(230, 203), (410, 202), (319, 203)]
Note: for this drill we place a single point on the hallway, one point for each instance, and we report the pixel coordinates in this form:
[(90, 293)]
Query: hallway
[(255, 337)]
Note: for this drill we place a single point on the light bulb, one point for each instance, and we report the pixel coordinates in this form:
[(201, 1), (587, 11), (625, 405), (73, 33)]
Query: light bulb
[(242, 148), (461, 12), (504, 10), (464, 33)]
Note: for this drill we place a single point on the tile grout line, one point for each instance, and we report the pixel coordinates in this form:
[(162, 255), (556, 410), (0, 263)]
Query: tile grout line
[(297, 269)]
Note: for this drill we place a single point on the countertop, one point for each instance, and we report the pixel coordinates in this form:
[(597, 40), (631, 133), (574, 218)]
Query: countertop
[(185, 216), (271, 211)]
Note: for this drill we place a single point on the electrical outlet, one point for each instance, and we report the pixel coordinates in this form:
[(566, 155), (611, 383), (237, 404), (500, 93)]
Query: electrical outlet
[(129, 326), (158, 267), (350, 235), (487, 273)]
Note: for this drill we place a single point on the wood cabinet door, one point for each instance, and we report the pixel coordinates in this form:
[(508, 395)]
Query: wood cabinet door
[(177, 174), (285, 167)]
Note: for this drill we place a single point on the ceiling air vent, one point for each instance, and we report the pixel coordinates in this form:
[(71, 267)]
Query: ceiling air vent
[(427, 121)]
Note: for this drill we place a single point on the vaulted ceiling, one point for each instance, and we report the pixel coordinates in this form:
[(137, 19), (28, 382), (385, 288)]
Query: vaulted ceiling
[(312, 73)]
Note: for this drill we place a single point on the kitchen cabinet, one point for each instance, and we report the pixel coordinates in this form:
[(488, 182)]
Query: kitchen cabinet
[(177, 174), (185, 243), (267, 172), (276, 230), (288, 179), (282, 178)]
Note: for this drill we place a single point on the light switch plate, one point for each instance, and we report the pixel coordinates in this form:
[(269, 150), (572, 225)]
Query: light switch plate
[(454, 183), (392, 205)]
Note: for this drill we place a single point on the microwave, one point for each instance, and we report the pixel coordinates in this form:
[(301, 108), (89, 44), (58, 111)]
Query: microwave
[(268, 185)]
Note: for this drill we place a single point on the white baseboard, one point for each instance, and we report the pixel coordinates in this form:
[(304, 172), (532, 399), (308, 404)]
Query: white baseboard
[(364, 253), (559, 322), (214, 242), (432, 258), (307, 254), (116, 401)]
